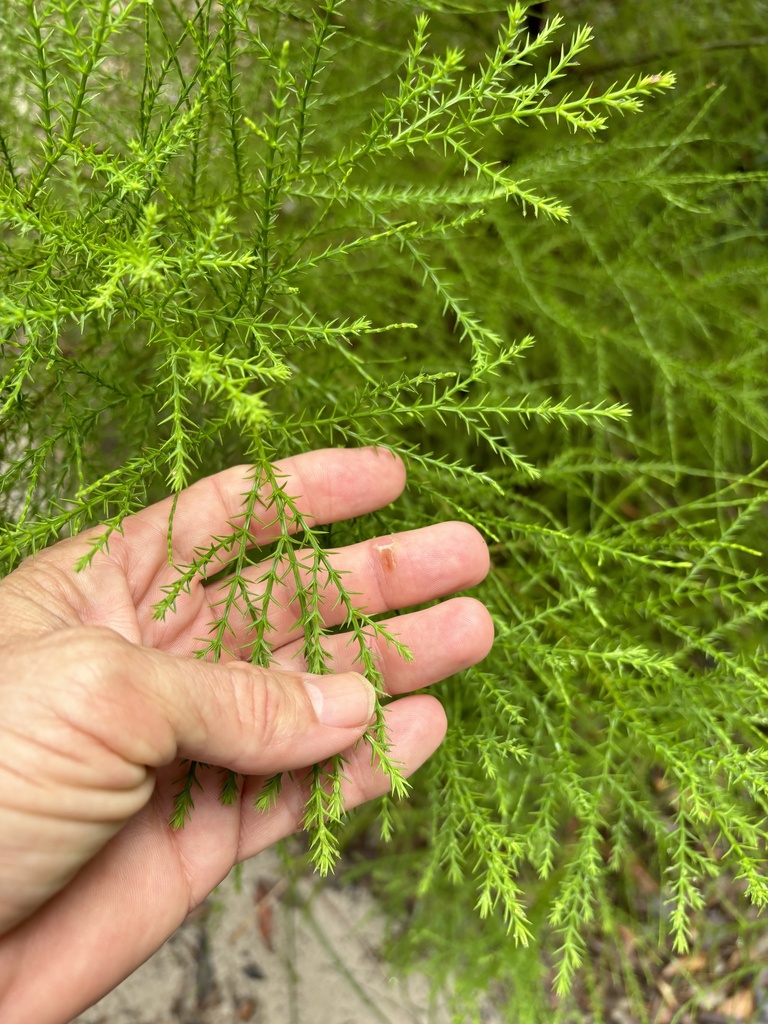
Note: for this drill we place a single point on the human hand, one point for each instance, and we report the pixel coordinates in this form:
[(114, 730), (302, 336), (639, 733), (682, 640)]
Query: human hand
[(99, 701)]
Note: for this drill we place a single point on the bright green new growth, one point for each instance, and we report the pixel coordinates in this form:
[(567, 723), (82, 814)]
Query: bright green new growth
[(232, 231), (105, 243)]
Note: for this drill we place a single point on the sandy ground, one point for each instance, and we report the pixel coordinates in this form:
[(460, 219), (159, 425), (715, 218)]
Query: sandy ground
[(272, 953)]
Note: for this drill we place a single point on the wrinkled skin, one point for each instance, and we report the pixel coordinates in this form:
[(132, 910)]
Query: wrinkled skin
[(98, 702)]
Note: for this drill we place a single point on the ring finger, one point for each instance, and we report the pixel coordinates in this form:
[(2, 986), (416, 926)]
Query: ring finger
[(443, 639)]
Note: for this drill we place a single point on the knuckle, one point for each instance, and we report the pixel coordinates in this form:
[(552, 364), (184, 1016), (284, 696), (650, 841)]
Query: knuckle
[(473, 538), (98, 648), (265, 704), (379, 651), (91, 662), (72, 675)]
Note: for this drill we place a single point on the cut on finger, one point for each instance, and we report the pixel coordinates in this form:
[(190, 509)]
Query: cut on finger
[(380, 575)]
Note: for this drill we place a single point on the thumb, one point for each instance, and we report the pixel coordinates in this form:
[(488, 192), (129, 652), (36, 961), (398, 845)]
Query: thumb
[(86, 717), (151, 707)]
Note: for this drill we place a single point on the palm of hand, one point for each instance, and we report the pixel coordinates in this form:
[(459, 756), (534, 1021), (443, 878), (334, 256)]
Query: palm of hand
[(138, 887)]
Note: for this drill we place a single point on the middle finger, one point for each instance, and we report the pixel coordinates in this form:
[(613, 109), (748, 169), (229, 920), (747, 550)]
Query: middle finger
[(382, 574)]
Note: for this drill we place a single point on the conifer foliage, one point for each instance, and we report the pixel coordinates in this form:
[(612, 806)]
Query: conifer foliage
[(233, 230)]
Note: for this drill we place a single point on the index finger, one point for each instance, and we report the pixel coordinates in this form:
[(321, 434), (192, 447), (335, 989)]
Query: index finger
[(327, 485)]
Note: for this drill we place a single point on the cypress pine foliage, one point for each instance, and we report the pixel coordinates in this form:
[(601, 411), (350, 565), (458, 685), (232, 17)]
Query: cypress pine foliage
[(234, 230)]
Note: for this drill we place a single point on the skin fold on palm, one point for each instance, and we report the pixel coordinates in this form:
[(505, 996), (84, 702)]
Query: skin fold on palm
[(99, 700)]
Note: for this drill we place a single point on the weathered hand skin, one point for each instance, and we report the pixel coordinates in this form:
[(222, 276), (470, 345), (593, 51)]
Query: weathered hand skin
[(99, 701)]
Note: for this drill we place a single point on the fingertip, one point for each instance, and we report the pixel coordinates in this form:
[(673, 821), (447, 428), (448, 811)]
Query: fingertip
[(477, 550), (468, 547), (342, 483), (474, 630), (392, 465), (344, 700)]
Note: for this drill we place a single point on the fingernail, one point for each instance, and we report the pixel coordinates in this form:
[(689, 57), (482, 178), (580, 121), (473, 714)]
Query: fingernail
[(343, 700)]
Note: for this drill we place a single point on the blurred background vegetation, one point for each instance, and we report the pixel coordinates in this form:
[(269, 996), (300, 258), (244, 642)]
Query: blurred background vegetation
[(653, 293)]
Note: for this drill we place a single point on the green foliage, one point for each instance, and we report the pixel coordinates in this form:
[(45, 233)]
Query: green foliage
[(234, 230)]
